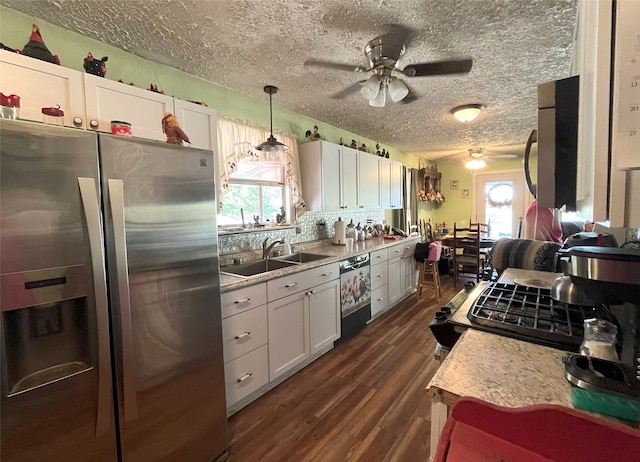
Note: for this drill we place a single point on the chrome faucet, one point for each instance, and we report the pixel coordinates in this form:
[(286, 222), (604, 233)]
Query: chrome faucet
[(266, 250)]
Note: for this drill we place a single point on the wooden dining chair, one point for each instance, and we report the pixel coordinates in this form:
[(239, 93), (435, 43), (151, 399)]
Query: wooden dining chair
[(485, 232), (466, 252)]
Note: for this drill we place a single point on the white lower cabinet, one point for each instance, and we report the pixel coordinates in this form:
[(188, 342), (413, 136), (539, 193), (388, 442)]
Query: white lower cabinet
[(324, 317), (246, 374), (379, 284), (402, 271), (379, 300), (304, 322)]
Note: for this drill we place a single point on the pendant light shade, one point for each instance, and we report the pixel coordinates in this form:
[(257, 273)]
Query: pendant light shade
[(371, 88), (397, 90), (272, 144)]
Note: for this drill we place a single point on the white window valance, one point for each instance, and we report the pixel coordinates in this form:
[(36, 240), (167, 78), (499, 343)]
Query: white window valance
[(237, 139)]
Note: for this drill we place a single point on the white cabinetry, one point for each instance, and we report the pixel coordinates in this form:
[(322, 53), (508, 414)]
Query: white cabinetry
[(244, 338), (379, 283), (92, 102), (41, 84), (390, 184), (402, 271), (368, 181), (303, 314), (108, 100), (337, 177)]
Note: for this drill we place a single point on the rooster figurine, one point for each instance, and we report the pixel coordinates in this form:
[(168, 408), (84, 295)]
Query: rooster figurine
[(171, 128), (36, 48)]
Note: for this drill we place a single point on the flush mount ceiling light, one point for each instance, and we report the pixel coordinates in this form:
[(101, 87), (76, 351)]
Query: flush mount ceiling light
[(376, 88), (468, 112), (272, 144)]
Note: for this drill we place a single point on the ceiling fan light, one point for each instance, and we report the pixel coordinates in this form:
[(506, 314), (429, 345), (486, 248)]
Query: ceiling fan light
[(272, 144), (475, 164), (381, 99), (397, 90), (468, 112), (371, 87)]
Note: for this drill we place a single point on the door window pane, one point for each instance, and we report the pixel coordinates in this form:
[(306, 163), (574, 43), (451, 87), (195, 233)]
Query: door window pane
[(499, 208)]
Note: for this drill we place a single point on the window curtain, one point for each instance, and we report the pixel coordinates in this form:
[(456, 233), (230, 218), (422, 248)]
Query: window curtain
[(399, 216), (237, 139), (413, 196)]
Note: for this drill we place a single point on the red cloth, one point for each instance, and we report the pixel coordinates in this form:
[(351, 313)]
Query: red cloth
[(541, 225)]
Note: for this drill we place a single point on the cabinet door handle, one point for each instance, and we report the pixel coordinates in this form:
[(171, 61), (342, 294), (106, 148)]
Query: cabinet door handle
[(293, 284), (311, 292), (242, 300), (380, 299), (380, 275), (93, 123), (244, 334), (327, 274), (77, 120), (244, 377)]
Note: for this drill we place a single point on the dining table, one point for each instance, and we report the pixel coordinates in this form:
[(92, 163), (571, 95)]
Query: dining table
[(485, 241)]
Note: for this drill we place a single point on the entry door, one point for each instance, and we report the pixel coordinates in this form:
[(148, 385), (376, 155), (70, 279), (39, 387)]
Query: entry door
[(501, 198)]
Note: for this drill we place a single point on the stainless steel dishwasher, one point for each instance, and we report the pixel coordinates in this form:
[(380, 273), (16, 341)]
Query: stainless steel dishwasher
[(355, 294)]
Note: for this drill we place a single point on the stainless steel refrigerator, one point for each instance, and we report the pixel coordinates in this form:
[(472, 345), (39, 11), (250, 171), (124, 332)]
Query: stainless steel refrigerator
[(110, 299)]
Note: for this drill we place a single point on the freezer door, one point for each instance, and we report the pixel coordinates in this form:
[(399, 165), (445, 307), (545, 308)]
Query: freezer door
[(56, 383), (162, 259)]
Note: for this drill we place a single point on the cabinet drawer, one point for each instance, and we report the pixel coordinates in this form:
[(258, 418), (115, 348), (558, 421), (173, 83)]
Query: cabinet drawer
[(378, 256), (379, 275), (243, 299), (246, 374), (244, 332), (379, 300), (297, 282)]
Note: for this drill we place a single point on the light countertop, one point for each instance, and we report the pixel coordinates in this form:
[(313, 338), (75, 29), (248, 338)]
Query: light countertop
[(502, 371), (333, 252)]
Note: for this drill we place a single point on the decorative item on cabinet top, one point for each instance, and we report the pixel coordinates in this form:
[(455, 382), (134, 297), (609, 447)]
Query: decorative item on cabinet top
[(35, 47), (431, 191), (95, 66)]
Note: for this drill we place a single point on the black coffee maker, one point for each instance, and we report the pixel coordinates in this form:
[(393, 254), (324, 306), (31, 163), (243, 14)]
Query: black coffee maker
[(609, 277)]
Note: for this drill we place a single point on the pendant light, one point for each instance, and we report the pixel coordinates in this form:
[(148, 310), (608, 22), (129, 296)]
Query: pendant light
[(272, 144)]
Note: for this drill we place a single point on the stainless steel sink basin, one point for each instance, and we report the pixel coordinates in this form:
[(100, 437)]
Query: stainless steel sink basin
[(302, 257), (256, 267)]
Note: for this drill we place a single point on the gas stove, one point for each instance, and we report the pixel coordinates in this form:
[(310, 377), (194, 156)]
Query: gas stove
[(529, 313), (517, 311)]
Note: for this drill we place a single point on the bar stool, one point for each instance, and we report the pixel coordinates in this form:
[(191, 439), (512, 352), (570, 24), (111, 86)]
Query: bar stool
[(430, 268)]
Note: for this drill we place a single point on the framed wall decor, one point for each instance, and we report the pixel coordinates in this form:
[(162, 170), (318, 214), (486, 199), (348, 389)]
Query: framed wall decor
[(465, 193), (453, 184)]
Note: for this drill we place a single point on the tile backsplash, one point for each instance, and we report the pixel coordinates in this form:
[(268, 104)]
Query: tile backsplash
[(313, 226)]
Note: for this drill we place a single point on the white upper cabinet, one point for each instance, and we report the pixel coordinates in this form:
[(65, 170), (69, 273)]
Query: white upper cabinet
[(41, 84), (390, 184), (329, 176), (348, 177), (200, 123), (368, 181), (336, 177), (107, 100)]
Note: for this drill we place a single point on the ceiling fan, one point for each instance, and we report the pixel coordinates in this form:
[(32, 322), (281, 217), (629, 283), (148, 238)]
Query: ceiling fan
[(382, 55), (477, 157)]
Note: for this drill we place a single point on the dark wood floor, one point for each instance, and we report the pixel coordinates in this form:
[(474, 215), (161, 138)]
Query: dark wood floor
[(362, 401)]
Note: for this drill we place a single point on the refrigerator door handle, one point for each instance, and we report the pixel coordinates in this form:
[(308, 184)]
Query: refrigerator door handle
[(116, 203), (89, 199)]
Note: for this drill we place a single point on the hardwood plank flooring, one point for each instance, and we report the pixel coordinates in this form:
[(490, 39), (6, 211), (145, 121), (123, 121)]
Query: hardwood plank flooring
[(362, 401)]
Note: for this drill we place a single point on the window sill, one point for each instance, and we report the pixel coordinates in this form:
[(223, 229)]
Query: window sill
[(226, 230)]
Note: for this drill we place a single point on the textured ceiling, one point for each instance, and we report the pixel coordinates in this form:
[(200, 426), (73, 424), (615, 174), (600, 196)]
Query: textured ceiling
[(515, 45)]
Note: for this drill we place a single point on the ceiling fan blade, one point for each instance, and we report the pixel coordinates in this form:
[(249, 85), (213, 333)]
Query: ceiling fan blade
[(348, 91), (461, 66), (333, 65)]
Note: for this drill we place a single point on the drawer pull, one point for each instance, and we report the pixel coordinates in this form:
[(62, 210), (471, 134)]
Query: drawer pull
[(244, 334), (311, 292), (380, 299), (244, 377), (327, 274), (381, 275), (293, 284), (243, 300)]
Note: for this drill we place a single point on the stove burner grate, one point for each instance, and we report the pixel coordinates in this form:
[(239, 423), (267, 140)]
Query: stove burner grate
[(530, 313)]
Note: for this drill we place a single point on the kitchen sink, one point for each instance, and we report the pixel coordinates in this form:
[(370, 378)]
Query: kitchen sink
[(253, 268), (302, 257)]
